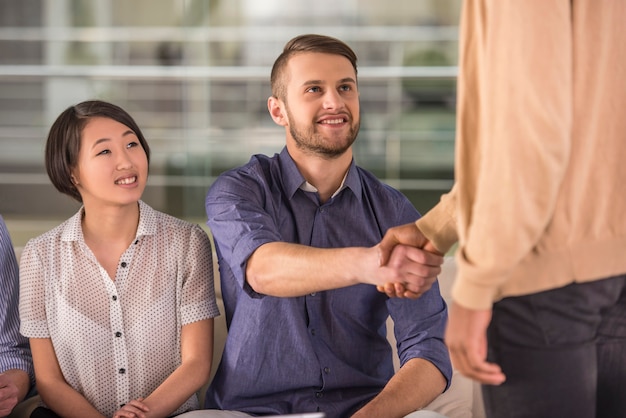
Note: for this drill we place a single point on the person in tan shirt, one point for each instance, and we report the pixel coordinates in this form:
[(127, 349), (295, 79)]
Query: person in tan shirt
[(538, 208)]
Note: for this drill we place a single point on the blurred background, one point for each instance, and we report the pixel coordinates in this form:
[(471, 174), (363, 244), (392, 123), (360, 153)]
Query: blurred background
[(195, 76)]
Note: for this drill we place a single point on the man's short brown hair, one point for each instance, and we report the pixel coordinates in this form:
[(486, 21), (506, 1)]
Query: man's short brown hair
[(306, 43)]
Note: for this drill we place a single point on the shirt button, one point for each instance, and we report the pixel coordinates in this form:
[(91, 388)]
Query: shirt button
[(313, 331), (313, 294), (326, 370), (124, 264), (122, 370), (118, 334), (114, 297), (318, 394)]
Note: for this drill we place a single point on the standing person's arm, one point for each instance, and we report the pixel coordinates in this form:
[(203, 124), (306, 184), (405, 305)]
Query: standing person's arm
[(515, 121), (434, 232)]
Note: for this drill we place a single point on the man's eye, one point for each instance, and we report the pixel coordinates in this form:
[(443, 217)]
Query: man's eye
[(314, 89), (345, 87)]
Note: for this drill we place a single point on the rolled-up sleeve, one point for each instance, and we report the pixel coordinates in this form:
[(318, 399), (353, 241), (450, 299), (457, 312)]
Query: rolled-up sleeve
[(419, 327), (198, 302), (236, 215)]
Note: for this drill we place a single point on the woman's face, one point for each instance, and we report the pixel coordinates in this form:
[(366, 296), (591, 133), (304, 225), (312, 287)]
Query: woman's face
[(112, 166)]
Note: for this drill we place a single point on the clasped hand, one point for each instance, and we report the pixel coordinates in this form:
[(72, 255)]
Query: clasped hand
[(8, 395), (133, 409), (409, 272), (405, 249)]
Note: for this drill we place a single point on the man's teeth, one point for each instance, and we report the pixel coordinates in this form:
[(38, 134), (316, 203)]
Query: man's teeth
[(332, 121), (127, 180)]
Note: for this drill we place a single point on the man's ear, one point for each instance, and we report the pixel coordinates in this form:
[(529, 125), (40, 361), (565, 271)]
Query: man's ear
[(275, 107)]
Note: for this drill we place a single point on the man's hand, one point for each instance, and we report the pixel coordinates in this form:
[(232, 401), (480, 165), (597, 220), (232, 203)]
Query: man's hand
[(466, 338), (9, 395), (410, 235), (411, 269)]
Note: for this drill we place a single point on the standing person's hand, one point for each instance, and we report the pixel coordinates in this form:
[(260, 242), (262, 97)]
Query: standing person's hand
[(466, 338), (408, 234), (412, 269), (9, 395)]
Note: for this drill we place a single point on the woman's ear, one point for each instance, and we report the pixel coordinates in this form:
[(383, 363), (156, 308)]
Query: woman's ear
[(275, 107), (74, 178)]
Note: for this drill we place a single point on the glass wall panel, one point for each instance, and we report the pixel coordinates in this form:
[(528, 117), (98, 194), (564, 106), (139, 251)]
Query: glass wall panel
[(195, 75)]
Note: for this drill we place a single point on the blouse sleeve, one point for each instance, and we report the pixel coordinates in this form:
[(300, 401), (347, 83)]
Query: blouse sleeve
[(32, 294), (198, 293)]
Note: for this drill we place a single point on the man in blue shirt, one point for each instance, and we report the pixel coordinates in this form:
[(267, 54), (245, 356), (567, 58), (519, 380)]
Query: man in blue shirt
[(16, 363), (296, 236)]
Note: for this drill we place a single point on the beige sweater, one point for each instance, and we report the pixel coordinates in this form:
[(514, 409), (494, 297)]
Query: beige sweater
[(540, 194)]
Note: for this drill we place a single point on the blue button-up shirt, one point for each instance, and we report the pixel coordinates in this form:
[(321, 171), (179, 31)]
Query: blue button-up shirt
[(326, 351)]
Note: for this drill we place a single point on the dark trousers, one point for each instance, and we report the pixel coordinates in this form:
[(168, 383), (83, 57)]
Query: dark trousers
[(563, 352), (42, 412)]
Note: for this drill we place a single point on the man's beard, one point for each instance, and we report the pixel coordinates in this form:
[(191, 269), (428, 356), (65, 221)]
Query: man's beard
[(311, 141)]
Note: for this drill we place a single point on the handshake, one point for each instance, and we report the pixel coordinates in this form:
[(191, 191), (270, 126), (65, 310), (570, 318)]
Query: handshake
[(409, 263)]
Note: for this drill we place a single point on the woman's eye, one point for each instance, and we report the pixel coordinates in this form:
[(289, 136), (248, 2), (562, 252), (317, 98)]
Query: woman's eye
[(103, 152), (132, 144)]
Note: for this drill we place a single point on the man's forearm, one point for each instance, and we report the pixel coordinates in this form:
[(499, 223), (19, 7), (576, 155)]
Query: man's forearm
[(287, 270), (413, 387)]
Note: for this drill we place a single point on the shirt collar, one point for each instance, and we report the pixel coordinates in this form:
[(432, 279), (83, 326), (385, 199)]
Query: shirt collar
[(293, 179), (73, 230)]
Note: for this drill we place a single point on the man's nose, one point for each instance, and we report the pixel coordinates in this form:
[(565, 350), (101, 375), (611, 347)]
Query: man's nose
[(332, 100)]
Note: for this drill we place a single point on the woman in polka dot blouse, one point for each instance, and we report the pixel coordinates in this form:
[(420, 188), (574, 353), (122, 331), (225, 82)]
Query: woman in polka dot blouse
[(118, 301)]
